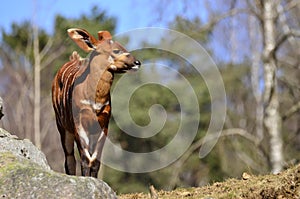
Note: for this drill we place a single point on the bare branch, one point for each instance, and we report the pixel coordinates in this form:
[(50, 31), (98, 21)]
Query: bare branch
[(195, 146), (285, 36), (53, 56), (290, 5), (255, 9), (295, 108), (289, 61), (230, 13), (288, 33), (248, 160), (46, 48)]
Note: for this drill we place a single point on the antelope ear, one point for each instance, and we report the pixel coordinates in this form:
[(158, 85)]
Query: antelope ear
[(104, 35), (83, 39)]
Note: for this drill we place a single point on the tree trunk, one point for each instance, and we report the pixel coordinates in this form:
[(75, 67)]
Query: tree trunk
[(255, 75), (37, 89), (272, 119)]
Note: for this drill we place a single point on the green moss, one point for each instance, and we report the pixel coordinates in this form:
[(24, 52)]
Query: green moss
[(11, 162)]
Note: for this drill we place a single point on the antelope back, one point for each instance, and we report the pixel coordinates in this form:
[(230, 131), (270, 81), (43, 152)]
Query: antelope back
[(62, 88)]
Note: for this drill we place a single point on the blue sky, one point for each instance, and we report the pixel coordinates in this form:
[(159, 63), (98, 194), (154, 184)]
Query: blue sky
[(130, 13), (43, 12)]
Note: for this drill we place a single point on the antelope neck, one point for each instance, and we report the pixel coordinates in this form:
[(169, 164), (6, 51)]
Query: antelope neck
[(98, 83)]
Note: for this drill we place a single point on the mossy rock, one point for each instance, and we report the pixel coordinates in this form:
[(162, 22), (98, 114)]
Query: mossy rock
[(24, 176), (23, 148)]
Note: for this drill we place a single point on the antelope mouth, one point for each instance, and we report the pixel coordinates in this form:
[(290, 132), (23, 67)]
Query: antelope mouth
[(135, 68), (126, 67), (137, 65)]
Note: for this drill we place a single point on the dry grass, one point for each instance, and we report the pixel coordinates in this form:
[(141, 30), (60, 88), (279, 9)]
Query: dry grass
[(283, 185)]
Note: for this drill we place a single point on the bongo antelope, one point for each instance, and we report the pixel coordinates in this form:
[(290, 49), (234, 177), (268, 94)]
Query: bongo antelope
[(81, 97)]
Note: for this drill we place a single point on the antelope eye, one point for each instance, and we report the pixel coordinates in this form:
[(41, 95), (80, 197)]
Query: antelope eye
[(117, 51)]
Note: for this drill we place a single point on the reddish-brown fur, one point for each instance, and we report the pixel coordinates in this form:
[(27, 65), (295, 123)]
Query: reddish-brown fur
[(81, 97)]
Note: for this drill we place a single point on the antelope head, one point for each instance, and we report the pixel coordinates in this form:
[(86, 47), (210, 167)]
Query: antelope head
[(118, 59)]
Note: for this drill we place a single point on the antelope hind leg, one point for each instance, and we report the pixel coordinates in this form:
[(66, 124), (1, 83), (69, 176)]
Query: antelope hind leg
[(67, 140)]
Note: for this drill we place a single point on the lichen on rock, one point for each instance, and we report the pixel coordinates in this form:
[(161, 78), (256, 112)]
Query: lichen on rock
[(22, 148), (25, 173)]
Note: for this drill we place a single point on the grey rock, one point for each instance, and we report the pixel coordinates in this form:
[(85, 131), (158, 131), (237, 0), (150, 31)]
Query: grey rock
[(24, 173), (22, 148)]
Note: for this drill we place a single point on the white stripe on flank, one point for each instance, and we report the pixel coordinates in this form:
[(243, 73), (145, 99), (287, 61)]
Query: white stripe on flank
[(95, 106)]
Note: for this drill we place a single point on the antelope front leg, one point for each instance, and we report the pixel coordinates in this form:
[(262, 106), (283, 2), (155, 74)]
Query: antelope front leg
[(95, 166), (90, 160), (90, 143), (89, 166)]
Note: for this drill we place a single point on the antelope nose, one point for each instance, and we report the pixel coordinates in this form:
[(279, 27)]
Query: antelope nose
[(137, 63)]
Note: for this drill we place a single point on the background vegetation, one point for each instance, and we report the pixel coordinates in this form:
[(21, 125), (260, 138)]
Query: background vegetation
[(256, 46)]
